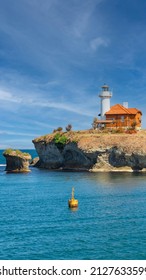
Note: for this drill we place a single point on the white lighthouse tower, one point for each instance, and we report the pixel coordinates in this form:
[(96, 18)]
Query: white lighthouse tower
[(105, 96)]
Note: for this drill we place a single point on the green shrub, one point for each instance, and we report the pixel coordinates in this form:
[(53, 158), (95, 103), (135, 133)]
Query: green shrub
[(60, 139), (26, 154), (8, 151), (59, 128), (75, 141), (15, 152), (18, 152)]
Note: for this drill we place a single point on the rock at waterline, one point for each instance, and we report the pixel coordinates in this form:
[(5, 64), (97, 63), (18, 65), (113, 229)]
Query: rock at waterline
[(34, 162), (17, 161)]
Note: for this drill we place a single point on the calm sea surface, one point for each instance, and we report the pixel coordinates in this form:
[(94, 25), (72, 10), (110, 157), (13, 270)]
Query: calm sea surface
[(36, 223)]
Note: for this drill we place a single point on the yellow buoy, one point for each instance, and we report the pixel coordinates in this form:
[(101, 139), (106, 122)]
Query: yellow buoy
[(73, 203)]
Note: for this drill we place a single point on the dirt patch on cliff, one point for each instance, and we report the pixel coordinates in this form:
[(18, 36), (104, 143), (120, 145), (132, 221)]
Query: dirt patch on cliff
[(90, 140), (128, 143)]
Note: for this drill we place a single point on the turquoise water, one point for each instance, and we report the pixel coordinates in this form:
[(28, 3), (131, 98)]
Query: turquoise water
[(36, 223)]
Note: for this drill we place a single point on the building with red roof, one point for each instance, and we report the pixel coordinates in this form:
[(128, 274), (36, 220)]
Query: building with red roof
[(121, 116), (117, 116)]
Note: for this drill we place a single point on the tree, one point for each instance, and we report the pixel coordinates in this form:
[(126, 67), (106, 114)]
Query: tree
[(58, 129), (68, 127), (94, 124), (133, 125)]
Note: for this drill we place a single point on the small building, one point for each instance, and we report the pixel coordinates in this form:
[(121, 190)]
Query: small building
[(122, 117), (117, 116)]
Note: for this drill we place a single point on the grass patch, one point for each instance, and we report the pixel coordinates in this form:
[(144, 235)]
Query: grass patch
[(10, 151), (60, 139)]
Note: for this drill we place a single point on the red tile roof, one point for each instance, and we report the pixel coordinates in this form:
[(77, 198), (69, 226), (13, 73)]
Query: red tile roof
[(133, 111), (121, 110)]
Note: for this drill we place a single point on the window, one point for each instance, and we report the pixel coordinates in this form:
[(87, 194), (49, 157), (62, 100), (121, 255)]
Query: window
[(122, 118)]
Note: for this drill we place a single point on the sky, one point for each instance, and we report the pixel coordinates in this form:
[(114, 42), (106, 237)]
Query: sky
[(56, 54)]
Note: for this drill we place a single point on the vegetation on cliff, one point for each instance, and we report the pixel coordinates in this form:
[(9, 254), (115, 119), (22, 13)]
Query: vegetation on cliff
[(92, 140), (12, 152), (61, 138)]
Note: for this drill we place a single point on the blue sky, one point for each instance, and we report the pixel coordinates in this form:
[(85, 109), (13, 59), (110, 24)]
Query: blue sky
[(56, 54)]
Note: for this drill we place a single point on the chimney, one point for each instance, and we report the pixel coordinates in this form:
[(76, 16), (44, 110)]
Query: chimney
[(125, 104)]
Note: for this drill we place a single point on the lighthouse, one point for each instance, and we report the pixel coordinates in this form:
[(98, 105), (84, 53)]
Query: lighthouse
[(105, 96)]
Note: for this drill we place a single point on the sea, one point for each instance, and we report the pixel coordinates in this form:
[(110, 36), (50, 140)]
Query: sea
[(36, 223)]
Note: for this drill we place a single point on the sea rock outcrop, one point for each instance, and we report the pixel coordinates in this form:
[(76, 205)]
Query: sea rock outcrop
[(101, 153), (17, 161), (34, 161)]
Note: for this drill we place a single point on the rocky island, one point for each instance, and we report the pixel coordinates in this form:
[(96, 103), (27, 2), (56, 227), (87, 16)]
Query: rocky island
[(17, 161), (92, 150)]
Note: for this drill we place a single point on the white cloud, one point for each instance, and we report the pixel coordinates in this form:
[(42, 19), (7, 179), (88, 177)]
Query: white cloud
[(7, 96), (74, 108), (83, 15), (70, 107), (98, 42), (31, 99), (7, 132)]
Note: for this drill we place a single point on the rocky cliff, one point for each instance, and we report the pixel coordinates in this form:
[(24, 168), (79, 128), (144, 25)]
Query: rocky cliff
[(92, 151), (16, 161)]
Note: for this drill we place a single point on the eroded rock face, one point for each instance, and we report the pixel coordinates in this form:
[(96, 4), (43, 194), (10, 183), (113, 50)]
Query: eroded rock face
[(72, 157), (68, 157), (17, 161), (75, 158), (50, 156), (34, 161), (118, 158)]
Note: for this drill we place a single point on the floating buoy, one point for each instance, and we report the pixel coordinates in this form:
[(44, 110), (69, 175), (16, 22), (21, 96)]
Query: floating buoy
[(73, 203)]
